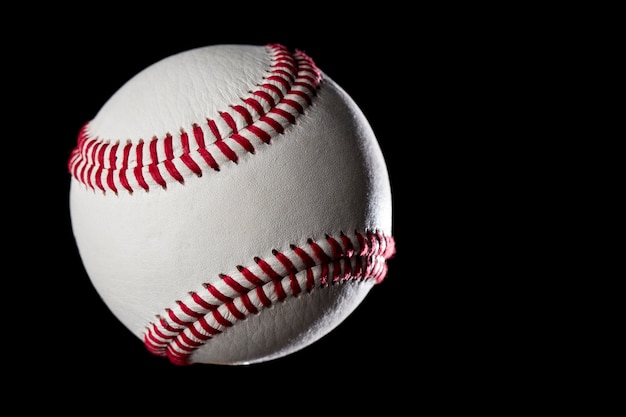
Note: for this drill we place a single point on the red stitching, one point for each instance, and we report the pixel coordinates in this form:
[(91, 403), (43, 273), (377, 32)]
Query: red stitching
[(233, 284), (266, 268), (217, 294), (228, 153), (113, 163), (137, 170), (253, 279), (175, 318), (265, 96), (279, 290), (260, 133), (266, 302), (294, 104), (293, 283), (255, 105), (274, 89), (289, 266), (308, 261), (165, 325), (188, 311), (220, 318), (123, 179), (92, 147), (245, 114), (292, 82), (233, 310), (201, 302), (194, 321), (189, 344), (324, 275), (230, 122), (245, 143), (273, 124), (101, 151), (245, 299), (209, 329)]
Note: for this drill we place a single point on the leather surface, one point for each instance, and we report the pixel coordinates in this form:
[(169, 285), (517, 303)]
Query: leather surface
[(180, 90), (325, 174)]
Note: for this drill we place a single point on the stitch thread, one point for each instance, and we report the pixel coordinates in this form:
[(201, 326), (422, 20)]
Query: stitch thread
[(113, 165), (283, 95), (192, 322)]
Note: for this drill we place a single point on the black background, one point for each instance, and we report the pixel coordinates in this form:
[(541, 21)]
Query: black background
[(399, 350), (465, 320)]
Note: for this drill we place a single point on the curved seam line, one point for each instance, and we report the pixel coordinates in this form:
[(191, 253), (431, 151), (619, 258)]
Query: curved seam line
[(368, 251)]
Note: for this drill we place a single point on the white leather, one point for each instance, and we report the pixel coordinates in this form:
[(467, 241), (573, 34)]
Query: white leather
[(326, 174), (180, 90)]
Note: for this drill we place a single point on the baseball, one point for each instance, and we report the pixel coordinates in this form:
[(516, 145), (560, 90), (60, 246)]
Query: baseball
[(231, 204)]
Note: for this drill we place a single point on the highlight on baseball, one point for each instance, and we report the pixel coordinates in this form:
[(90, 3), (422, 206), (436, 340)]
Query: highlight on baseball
[(231, 204)]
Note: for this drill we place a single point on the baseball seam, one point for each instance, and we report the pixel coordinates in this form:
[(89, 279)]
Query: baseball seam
[(109, 165), (191, 322)]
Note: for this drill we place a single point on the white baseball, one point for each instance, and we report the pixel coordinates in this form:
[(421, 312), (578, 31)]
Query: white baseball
[(231, 204)]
